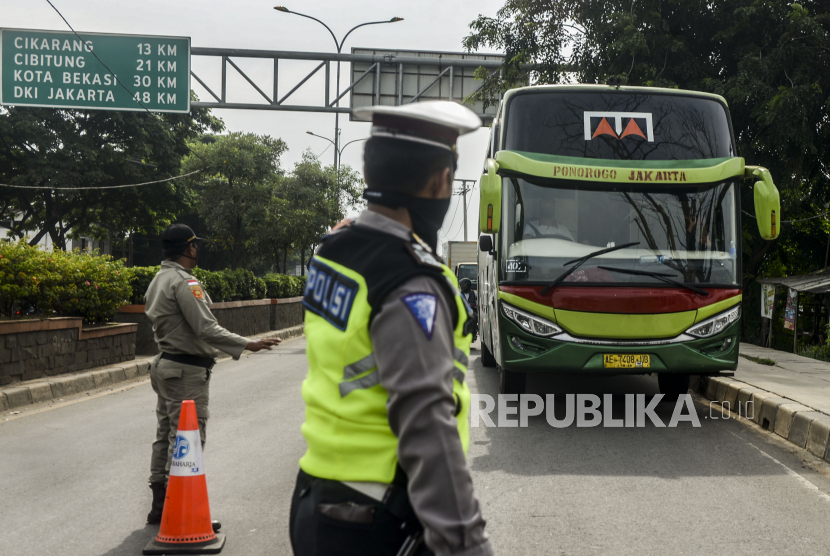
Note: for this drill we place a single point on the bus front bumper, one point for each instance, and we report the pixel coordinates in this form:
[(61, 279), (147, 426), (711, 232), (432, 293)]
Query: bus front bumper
[(522, 352)]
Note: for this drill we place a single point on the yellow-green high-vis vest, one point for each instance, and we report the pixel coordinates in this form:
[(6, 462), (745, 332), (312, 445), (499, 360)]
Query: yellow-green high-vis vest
[(346, 423)]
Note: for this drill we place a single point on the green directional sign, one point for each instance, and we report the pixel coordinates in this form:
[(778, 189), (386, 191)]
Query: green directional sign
[(54, 69)]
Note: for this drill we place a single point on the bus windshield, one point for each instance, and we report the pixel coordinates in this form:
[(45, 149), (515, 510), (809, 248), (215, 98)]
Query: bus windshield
[(618, 125), (687, 233)]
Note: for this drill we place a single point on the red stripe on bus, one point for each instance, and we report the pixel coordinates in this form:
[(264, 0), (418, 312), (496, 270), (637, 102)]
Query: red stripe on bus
[(620, 299)]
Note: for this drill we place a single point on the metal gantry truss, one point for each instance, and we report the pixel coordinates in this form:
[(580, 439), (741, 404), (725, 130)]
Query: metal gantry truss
[(373, 69)]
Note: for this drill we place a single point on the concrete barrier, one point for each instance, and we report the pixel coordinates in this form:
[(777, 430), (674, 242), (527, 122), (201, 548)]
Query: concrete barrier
[(768, 410), (788, 419), (38, 348), (800, 427), (818, 436), (784, 417), (246, 318)]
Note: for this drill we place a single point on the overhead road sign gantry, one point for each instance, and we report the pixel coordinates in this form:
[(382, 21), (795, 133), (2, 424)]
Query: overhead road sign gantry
[(56, 69), (418, 82), (398, 77)]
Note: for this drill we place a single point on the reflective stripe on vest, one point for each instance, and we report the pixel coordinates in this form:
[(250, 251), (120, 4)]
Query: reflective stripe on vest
[(355, 369), (372, 379), (368, 363)]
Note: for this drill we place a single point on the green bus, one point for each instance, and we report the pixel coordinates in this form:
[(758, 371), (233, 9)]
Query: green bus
[(610, 238)]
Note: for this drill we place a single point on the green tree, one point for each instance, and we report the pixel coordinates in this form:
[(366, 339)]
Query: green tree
[(271, 229), (302, 209), (238, 174), (769, 58), (319, 198), (76, 148)]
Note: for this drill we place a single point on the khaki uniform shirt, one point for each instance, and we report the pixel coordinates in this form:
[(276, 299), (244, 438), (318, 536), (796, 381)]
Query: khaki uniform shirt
[(177, 305), (417, 372)]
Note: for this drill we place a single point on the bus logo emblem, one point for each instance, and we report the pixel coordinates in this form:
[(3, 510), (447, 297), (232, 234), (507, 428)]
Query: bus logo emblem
[(599, 123)]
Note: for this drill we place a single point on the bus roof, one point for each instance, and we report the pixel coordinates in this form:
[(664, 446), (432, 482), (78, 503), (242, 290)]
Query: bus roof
[(583, 87)]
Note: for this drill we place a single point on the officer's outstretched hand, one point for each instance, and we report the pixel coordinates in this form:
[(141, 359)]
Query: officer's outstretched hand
[(265, 343)]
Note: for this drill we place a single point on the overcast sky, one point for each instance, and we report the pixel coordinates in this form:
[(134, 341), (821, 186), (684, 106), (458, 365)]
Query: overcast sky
[(428, 25)]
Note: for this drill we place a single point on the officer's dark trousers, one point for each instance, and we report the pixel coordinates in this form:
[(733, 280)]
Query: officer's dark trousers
[(330, 519)]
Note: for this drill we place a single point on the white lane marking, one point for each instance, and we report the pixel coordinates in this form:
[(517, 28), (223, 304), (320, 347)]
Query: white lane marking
[(804, 482)]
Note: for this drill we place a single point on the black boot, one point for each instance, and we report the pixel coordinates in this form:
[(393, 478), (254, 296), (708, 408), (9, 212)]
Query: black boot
[(159, 492)]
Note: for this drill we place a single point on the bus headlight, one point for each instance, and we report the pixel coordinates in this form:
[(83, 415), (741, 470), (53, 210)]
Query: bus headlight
[(714, 325), (529, 322)]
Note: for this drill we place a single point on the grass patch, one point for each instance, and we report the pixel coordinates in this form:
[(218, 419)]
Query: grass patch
[(822, 353), (759, 360)]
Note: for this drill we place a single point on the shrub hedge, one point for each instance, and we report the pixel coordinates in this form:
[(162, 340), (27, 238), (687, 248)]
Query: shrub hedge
[(231, 285), (280, 285), (91, 286), (75, 284), (141, 278)]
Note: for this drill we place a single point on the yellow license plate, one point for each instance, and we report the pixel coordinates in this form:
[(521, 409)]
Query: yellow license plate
[(626, 361)]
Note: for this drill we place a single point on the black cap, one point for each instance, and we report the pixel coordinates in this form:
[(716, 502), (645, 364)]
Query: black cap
[(177, 236)]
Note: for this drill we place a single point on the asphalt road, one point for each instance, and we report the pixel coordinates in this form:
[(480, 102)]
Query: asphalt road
[(73, 477)]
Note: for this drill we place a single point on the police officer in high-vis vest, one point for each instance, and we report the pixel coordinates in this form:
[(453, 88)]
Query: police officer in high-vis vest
[(388, 334)]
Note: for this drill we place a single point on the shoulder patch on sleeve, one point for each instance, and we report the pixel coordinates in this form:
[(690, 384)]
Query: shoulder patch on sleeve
[(195, 288), (424, 307)]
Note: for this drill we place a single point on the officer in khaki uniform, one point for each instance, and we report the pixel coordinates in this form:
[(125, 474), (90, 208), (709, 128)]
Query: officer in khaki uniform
[(388, 335), (189, 339)]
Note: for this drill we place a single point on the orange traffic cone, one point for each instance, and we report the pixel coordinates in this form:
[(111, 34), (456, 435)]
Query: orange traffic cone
[(185, 521)]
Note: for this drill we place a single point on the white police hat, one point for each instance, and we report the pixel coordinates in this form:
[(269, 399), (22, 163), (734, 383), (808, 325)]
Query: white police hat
[(437, 123)]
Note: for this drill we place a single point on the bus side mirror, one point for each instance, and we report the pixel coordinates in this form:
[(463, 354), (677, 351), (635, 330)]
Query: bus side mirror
[(767, 202), (485, 244), (490, 205)]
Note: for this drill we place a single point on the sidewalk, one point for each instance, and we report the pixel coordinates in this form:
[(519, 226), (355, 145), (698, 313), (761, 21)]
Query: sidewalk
[(44, 389), (798, 378), (791, 397)]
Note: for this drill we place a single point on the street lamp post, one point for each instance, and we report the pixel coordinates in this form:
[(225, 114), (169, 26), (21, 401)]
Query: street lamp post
[(339, 150), (339, 46)]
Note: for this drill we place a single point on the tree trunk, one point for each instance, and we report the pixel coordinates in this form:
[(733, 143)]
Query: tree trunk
[(310, 255), (130, 260), (53, 223), (755, 261), (38, 237), (236, 237), (302, 261), (285, 260)]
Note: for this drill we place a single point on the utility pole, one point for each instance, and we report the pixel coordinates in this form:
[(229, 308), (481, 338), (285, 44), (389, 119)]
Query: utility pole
[(463, 192), (827, 253)]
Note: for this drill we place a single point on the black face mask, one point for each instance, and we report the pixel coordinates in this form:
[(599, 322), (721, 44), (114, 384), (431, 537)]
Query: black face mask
[(181, 254), (427, 215)]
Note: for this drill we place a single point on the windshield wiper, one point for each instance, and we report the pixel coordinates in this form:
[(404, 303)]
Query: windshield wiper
[(664, 277), (581, 260)]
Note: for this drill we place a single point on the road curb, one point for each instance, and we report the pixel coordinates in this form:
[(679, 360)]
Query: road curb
[(24, 394), (795, 422)]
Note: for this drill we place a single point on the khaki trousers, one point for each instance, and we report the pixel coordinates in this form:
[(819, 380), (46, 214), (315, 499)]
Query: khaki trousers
[(174, 383)]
